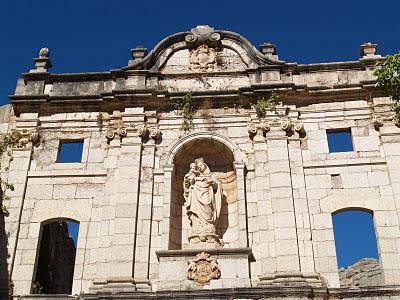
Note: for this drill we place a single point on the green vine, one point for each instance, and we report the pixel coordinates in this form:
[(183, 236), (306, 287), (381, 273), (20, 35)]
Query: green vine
[(185, 107), (388, 78), (263, 104), (7, 143)]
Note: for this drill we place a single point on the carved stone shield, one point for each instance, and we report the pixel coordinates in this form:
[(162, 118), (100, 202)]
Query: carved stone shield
[(203, 268), (203, 59)]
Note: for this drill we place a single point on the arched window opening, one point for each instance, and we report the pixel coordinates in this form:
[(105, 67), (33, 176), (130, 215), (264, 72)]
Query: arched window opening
[(356, 248), (56, 258)]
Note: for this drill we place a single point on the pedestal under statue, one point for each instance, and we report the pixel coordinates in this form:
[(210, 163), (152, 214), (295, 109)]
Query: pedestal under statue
[(203, 201)]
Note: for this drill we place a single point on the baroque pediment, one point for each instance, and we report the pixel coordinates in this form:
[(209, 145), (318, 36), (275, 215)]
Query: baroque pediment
[(203, 50)]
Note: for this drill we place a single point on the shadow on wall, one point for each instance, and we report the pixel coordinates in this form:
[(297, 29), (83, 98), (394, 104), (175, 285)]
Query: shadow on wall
[(4, 276)]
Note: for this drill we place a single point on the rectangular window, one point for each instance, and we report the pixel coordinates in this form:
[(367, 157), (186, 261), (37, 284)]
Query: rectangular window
[(70, 151), (339, 140)]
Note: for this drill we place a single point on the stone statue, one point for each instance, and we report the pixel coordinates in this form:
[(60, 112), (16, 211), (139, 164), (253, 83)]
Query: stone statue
[(203, 200)]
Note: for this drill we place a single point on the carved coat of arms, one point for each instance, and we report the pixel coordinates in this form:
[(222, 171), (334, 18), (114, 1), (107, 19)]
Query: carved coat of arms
[(203, 268), (203, 59)]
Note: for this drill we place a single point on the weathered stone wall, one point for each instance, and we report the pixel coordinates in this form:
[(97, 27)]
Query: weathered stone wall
[(126, 191)]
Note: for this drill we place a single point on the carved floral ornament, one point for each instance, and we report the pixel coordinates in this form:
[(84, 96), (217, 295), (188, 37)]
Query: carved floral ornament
[(203, 268)]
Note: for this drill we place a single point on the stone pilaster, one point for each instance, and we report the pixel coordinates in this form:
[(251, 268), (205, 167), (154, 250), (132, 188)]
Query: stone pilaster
[(283, 214), (302, 214), (144, 225), (17, 222), (119, 214)]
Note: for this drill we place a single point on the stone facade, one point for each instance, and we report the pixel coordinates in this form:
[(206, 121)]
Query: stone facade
[(281, 184)]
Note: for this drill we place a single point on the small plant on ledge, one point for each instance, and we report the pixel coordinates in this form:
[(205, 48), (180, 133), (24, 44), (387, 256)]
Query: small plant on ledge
[(185, 107), (263, 104), (388, 78), (7, 143)]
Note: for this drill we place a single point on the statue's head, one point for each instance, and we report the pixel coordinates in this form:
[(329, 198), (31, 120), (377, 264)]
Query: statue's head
[(201, 166)]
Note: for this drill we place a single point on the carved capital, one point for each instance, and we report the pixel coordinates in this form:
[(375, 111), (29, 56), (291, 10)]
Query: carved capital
[(286, 125), (262, 128), (252, 129), (30, 136), (377, 122), (203, 268), (142, 131), (299, 127), (119, 132), (154, 133), (110, 134)]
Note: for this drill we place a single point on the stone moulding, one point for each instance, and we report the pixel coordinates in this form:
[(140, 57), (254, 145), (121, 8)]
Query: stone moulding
[(299, 292), (239, 156), (203, 268)]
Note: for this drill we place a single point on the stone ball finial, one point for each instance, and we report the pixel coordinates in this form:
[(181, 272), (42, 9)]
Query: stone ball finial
[(44, 53)]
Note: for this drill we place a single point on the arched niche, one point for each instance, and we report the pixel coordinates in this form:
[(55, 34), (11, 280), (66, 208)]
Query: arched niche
[(221, 156)]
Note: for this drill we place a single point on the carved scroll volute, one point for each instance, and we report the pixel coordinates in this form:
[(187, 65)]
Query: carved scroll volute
[(30, 136), (155, 133), (252, 129), (122, 132), (34, 137), (299, 127), (264, 126), (377, 122), (286, 125), (190, 40), (142, 131), (110, 134), (258, 130)]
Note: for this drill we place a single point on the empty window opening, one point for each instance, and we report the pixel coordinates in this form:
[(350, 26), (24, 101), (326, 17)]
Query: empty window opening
[(356, 249), (56, 258), (70, 151), (339, 140)]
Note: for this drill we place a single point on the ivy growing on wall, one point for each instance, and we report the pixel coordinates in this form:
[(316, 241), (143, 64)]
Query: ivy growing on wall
[(186, 109), (388, 78), (7, 143), (263, 104)]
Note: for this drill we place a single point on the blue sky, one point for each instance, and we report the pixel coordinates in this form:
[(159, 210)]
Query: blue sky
[(97, 35), (354, 237)]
